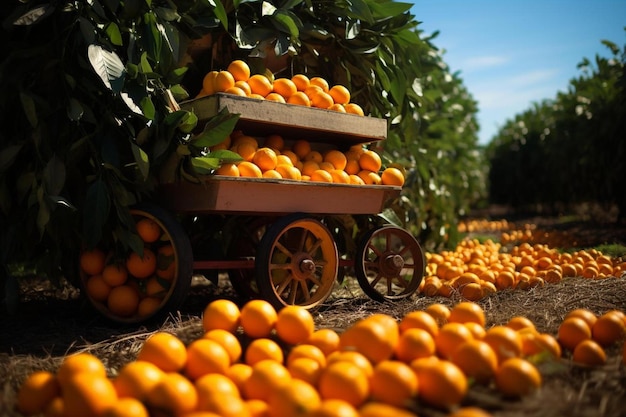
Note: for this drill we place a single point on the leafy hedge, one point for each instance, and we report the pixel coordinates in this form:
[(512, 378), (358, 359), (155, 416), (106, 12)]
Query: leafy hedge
[(89, 112), (568, 150)]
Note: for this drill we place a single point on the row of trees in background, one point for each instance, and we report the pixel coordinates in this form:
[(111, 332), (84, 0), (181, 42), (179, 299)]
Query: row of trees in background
[(569, 150), (85, 128)]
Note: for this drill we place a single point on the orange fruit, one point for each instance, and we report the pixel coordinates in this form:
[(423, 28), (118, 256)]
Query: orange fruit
[(475, 329), (126, 407), (266, 377), (370, 161), (393, 382), (258, 318), (450, 336), (306, 351), (420, 320), (340, 94), (440, 312), (469, 412), (356, 180), (371, 338), (141, 266), (326, 166), (285, 87), (243, 85), (260, 84), (297, 399), (516, 377), (335, 408), (327, 340), (92, 261), (344, 381), (608, 329), (239, 70), (414, 343), (156, 287), (308, 167), (205, 356), (248, 169), (136, 379), (354, 108), (239, 373), (476, 359), (263, 349), (246, 151), (208, 83), (283, 160), (305, 368), (289, 172), (265, 158), (221, 314), (587, 315), (36, 392), (299, 98), (97, 289), (353, 357), (504, 280), (164, 350), (227, 340), (467, 311), (301, 148), (321, 175), (301, 81), (236, 91), (228, 169), (148, 230), (222, 406), (338, 108), (441, 383), (275, 142), (572, 331), (352, 167), (320, 82), (123, 301), (505, 342), (166, 263), (294, 324), (339, 176), (336, 158), (590, 353), (275, 97), (321, 100), (79, 363), (87, 394), (521, 323), (378, 409), (215, 384), (223, 81), (392, 176), (369, 177), (173, 394)]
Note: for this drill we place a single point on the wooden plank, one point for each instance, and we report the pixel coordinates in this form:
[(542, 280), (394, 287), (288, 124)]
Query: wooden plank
[(264, 117), (236, 195)]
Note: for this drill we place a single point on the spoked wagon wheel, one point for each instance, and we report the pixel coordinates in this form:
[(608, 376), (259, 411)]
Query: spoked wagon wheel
[(296, 263), (243, 246), (141, 288), (389, 263)]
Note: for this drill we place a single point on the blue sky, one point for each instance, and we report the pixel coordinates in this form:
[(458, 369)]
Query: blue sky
[(511, 53)]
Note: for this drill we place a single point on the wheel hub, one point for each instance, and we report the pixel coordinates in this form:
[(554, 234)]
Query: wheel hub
[(303, 266), (391, 264)]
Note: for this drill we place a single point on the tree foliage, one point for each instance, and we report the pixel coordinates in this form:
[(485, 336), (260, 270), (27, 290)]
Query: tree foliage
[(568, 150), (90, 118)]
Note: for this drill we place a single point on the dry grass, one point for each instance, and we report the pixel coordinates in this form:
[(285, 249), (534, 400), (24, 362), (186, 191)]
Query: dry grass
[(42, 335)]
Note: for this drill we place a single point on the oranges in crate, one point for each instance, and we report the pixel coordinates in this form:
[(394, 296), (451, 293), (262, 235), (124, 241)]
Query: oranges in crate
[(136, 286)]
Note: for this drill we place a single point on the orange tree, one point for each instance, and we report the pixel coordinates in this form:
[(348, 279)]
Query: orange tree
[(89, 109), (573, 145)]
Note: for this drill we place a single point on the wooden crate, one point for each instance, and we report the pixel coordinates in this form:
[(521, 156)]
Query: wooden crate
[(237, 195), (264, 117)]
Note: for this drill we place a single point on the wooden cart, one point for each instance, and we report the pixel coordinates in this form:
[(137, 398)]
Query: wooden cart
[(285, 241)]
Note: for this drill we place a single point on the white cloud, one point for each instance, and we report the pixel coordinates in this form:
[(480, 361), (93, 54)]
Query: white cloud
[(483, 62), (533, 77)]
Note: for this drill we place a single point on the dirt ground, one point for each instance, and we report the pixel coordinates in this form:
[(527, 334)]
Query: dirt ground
[(47, 328)]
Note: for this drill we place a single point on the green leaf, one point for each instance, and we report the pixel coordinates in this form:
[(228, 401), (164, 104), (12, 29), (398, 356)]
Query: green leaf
[(220, 13), (144, 65), (75, 110), (205, 164), (96, 212), (360, 10), (153, 41), (389, 9), (142, 161), (108, 66), (54, 175), (8, 155), (188, 123), (113, 32), (179, 92), (147, 107), (287, 22), (28, 105), (216, 130), (224, 155)]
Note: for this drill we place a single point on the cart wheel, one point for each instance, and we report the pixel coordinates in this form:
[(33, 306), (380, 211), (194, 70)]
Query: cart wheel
[(390, 263), (296, 263), (244, 246), (164, 289)]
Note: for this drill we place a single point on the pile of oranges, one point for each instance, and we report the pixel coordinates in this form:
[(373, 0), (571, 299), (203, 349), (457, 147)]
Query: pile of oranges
[(298, 90), (137, 285), (275, 157), (255, 361), (474, 270)]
